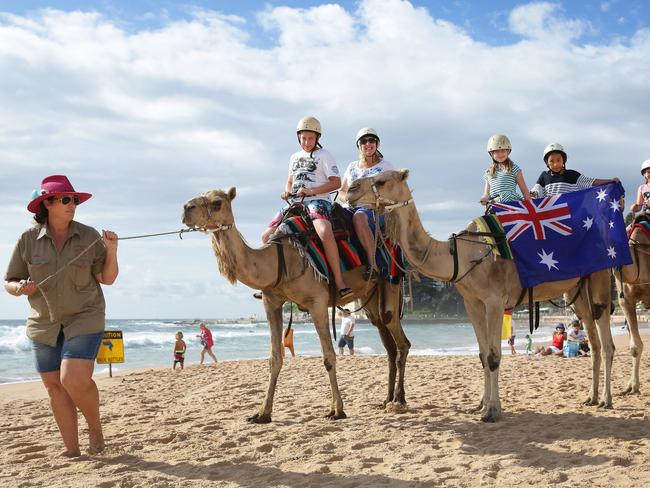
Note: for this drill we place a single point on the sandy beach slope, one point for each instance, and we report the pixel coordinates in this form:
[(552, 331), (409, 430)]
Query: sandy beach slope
[(186, 429)]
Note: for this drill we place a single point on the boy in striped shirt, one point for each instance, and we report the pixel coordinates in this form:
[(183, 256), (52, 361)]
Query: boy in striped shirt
[(558, 179)]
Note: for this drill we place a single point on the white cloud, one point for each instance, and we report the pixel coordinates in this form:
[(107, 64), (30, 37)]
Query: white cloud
[(145, 119)]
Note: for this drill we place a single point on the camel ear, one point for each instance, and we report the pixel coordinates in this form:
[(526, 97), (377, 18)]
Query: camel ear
[(404, 174), (232, 193)]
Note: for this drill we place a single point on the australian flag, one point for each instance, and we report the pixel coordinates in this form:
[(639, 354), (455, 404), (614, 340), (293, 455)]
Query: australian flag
[(566, 236)]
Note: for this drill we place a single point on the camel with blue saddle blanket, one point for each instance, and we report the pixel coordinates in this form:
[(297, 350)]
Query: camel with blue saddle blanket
[(633, 286), (284, 273), (488, 283)]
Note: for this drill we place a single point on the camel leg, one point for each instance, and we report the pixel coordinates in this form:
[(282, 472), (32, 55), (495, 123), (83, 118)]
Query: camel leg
[(319, 314), (494, 314), (476, 314), (372, 312), (390, 317), (628, 304), (274, 317)]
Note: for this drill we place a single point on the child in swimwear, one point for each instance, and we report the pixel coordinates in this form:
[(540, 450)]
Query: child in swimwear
[(179, 350), (529, 345)]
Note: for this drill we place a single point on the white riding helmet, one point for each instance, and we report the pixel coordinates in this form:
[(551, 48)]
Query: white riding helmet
[(498, 141), (367, 131), (554, 147), (309, 123), (645, 165)]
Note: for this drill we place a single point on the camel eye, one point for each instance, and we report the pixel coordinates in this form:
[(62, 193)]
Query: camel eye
[(216, 205), (380, 183)]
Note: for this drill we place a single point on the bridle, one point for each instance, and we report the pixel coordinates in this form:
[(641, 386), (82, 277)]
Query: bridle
[(386, 204), (219, 227)]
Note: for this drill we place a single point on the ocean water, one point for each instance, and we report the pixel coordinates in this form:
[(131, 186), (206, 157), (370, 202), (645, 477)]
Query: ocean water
[(149, 343)]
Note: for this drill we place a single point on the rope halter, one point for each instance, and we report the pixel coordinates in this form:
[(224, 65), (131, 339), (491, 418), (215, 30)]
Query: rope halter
[(384, 203)]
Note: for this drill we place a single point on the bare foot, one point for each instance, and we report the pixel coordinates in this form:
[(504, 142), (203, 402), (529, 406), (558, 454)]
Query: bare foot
[(96, 443), (70, 453)]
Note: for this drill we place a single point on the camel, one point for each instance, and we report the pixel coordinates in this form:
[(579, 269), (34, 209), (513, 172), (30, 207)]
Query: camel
[(634, 283), (283, 274), (487, 283)]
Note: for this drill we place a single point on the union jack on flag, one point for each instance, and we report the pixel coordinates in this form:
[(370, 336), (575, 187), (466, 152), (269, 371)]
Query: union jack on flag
[(526, 214), (571, 235)]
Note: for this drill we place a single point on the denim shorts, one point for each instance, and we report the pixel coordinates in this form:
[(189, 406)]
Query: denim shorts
[(346, 340), (48, 358), (371, 218)]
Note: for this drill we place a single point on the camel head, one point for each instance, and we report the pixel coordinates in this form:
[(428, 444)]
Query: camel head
[(210, 211), (381, 191)]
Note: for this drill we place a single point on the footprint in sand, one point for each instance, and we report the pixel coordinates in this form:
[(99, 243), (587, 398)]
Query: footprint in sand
[(31, 448)]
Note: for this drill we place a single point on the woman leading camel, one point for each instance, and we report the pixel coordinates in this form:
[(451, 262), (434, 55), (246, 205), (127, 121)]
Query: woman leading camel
[(58, 264), (371, 162)]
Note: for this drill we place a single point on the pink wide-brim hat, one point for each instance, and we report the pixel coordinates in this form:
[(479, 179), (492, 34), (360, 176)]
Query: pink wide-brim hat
[(52, 186)]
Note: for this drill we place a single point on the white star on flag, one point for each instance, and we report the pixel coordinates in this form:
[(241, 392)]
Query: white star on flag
[(611, 252), (588, 223), (602, 194), (614, 205), (611, 224), (548, 260)]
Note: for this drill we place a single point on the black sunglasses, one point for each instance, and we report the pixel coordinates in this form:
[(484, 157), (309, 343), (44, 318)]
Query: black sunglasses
[(366, 140), (65, 200)]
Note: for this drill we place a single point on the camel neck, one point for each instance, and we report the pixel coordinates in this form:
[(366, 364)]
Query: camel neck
[(239, 262), (426, 254)]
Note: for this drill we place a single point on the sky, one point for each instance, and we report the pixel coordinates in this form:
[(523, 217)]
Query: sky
[(147, 104)]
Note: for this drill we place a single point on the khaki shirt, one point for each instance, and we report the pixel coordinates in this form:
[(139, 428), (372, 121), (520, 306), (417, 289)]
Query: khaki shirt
[(75, 296)]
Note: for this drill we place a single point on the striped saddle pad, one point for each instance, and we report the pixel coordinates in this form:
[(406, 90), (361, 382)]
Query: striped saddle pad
[(351, 253)]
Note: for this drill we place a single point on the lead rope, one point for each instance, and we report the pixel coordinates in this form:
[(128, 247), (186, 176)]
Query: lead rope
[(99, 239)]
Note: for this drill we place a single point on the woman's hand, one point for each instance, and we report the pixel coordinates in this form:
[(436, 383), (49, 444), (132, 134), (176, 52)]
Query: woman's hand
[(110, 241), (26, 287)]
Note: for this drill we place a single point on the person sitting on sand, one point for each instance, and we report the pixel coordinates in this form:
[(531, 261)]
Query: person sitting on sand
[(576, 333), (206, 341), (557, 342), (179, 350)]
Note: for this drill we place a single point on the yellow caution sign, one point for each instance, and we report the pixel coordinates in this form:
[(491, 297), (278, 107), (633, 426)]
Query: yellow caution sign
[(111, 349)]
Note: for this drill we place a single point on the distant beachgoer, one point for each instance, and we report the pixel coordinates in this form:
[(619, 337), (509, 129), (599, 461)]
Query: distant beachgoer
[(576, 333), (179, 350), (59, 264), (287, 341), (557, 342), (511, 343), (347, 332), (206, 341), (529, 345)]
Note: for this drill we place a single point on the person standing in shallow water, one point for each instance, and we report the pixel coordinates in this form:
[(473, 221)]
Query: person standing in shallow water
[(66, 321), (207, 342)]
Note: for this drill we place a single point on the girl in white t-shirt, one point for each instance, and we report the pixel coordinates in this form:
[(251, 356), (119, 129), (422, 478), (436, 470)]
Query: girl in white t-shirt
[(312, 175), (370, 163)]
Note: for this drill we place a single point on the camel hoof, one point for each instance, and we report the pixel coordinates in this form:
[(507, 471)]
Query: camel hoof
[(605, 405), (395, 407), (259, 418), (631, 390), (590, 402), (336, 416), (491, 415)]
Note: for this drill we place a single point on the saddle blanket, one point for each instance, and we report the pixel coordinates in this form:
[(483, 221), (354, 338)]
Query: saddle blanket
[(489, 223), (351, 254), (644, 225)]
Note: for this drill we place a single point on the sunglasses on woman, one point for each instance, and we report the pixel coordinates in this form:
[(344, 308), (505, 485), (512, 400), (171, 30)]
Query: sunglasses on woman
[(367, 140), (65, 200)]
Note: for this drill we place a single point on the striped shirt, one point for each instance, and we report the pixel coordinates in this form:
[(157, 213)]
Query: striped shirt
[(503, 185), (555, 184)]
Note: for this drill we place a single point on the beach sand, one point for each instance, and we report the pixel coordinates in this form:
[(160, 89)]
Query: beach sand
[(187, 428)]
